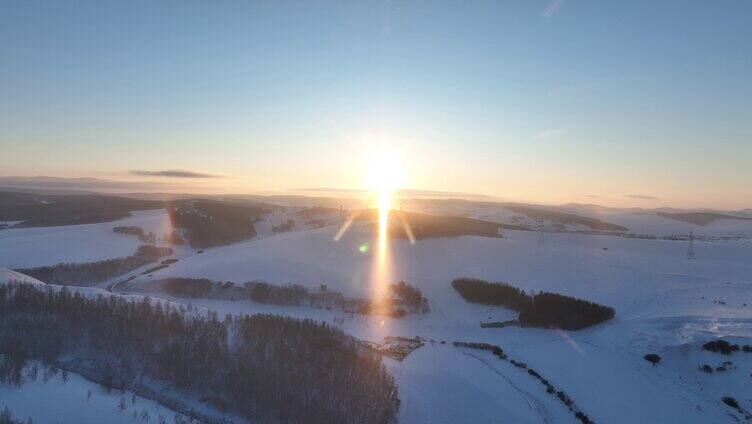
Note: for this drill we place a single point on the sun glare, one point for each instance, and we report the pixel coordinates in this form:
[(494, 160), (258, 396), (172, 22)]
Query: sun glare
[(384, 173), (383, 179)]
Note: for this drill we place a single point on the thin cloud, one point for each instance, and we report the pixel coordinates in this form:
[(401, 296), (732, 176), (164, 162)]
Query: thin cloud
[(174, 173), (641, 197), (550, 133), (552, 7)]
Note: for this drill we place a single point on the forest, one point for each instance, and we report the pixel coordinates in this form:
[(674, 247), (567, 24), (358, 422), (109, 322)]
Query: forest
[(264, 368), (547, 310), (209, 223), (89, 273)]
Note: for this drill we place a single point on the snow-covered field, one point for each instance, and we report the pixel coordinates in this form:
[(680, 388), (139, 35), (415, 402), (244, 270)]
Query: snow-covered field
[(77, 401), (650, 223), (40, 246), (665, 304)]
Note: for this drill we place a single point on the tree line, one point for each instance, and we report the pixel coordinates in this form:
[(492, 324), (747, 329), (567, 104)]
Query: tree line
[(139, 232), (187, 287), (265, 368), (89, 273), (548, 310), (403, 298)]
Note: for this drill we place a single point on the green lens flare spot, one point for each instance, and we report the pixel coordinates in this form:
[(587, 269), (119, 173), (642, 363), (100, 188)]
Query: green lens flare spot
[(363, 248)]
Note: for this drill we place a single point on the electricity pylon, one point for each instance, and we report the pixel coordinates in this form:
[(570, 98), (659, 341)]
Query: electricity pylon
[(691, 249)]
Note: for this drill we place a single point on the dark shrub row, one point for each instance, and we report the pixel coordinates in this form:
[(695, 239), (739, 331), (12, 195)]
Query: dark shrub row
[(496, 350), (88, 273), (540, 310), (724, 347), (129, 229), (287, 294), (404, 299), (733, 403), (653, 358), (187, 287), (136, 231), (262, 367), (730, 401)]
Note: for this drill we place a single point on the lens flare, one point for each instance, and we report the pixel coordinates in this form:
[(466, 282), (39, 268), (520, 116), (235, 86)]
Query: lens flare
[(383, 203), (384, 176), (383, 179)]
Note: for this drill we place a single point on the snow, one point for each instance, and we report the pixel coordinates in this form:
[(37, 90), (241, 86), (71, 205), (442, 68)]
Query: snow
[(7, 275), (663, 301), (650, 223), (40, 246), (57, 401), (665, 304), (443, 384)]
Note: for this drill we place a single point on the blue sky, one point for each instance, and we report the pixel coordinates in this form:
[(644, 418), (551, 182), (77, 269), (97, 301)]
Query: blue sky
[(586, 101)]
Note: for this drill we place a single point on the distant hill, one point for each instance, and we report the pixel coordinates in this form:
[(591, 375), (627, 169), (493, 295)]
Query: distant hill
[(700, 218), (536, 212), (36, 210), (20, 199)]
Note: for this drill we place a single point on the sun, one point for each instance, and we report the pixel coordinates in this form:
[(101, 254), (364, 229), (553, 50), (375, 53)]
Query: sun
[(384, 170), (384, 176)]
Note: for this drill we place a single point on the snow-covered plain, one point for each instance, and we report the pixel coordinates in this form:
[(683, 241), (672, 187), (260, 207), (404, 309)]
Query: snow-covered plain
[(41, 246), (665, 304), (647, 222), (77, 401)]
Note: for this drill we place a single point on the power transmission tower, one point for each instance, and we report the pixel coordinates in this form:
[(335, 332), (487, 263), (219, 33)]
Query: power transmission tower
[(541, 238), (691, 249)]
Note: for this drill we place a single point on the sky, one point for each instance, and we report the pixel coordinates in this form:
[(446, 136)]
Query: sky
[(621, 103)]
